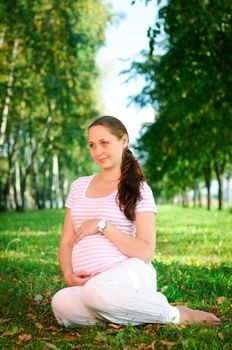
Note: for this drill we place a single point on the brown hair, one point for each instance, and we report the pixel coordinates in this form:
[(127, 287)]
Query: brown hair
[(131, 172)]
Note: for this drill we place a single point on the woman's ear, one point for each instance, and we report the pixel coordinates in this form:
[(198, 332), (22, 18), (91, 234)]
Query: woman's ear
[(124, 141)]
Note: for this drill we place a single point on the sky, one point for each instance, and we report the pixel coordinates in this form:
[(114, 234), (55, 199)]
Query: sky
[(124, 42)]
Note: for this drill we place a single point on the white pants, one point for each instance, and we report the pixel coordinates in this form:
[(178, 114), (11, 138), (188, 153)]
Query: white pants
[(123, 294)]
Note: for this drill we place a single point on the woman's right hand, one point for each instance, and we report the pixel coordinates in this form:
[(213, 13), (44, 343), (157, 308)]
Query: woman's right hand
[(78, 278)]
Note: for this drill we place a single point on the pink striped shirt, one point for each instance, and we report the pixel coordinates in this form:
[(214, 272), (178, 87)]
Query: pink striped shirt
[(96, 253)]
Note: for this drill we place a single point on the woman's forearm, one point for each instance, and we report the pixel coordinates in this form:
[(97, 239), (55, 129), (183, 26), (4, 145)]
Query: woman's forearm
[(65, 252), (130, 246)]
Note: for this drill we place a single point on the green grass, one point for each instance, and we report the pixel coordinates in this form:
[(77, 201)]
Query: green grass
[(193, 259)]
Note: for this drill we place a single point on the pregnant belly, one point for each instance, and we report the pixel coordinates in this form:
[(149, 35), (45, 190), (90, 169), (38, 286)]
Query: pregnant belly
[(95, 253)]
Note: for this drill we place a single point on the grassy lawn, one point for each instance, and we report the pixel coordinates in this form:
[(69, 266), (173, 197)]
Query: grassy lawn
[(193, 260)]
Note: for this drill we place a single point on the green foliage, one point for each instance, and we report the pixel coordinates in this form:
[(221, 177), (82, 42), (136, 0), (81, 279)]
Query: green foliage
[(52, 94), (188, 83), (193, 266)]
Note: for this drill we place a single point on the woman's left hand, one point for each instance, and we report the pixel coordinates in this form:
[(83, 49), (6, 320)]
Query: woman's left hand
[(87, 228)]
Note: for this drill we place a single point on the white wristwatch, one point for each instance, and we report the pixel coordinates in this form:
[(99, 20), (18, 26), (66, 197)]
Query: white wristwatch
[(101, 225)]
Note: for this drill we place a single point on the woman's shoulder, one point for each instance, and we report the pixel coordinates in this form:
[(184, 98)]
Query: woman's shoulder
[(81, 181), (145, 187), (146, 202)]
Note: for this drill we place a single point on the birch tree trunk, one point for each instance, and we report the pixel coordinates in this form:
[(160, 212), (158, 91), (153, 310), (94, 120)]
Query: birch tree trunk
[(2, 37), (17, 187), (228, 189), (8, 93), (55, 180)]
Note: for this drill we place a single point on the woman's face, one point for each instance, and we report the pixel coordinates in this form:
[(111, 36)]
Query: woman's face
[(105, 148)]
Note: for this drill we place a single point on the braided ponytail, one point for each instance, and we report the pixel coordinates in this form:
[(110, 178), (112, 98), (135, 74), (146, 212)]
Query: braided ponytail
[(131, 172)]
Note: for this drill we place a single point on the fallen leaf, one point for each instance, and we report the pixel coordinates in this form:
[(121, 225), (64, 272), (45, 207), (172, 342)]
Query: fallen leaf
[(214, 309), (39, 325), (38, 297), (11, 331), (23, 338), (220, 300), (6, 333), (151, 346), (52, 329), (149, 329), (163, 289), (72, 336), (225, 318), (100, 338), (4, 320), (115, 326), (31, 316), (220, 335), (142, 346), (168, 343), (180, 326), (50, 346), (21, 330), (158, 326)]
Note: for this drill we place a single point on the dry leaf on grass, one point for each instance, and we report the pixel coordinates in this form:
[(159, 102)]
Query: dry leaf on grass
[(31, 316), (220, 336), (72, 336), (142, 346), (214, 309), (50, 346), (220, 300), (39, 325), (168, 343), (12, 331), (23, 338), (4, 320), (100, 338), (151, 346), (52, 329), (116, 327), (5, 333), (149, 329)]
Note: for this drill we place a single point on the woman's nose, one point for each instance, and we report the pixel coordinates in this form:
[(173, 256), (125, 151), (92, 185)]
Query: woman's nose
[(98, 150)]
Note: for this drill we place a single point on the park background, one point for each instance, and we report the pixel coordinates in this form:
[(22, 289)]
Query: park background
[(164, 69)]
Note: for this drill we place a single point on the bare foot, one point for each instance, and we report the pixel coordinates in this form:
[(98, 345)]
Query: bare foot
[(197, 317)]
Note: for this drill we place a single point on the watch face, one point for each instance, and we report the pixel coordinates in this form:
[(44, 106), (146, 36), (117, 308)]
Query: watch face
[(102, 224)]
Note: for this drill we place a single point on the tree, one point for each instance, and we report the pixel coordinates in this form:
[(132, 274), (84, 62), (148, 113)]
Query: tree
[(48, 94), (189, 86)]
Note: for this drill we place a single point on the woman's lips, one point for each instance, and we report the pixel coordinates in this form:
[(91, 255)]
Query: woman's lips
[(102, 160)]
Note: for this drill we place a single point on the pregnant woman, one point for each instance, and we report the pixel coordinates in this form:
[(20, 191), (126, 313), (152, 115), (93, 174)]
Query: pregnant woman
[(108, 242)]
